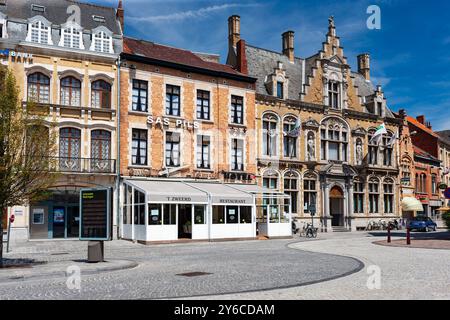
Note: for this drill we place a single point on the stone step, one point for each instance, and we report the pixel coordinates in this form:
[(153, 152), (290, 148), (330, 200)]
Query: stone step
[(340, 229)]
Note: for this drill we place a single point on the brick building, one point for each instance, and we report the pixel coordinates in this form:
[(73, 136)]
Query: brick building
[(66, 63), (315, 120), (187, 145), (427, 165), (444, 157)]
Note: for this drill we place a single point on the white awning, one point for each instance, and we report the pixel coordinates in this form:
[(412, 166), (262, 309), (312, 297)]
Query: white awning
[(169, 192), (222, 194), (257, 190), (412, 204)]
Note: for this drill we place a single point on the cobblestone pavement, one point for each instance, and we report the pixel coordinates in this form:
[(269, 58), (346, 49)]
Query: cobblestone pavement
[(406, 273), (231, 267)]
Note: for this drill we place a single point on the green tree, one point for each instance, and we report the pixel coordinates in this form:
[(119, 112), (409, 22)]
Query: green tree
[(27, 144)]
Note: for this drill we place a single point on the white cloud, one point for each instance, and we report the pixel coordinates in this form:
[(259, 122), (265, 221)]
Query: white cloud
[(199, 13)]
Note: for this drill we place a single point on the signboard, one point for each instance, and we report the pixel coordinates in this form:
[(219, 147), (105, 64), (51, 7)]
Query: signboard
[(447, 193), (312, 210), (95, 214)]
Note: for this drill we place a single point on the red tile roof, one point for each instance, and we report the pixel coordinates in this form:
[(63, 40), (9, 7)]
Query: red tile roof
[(174, 55), (422, 127)]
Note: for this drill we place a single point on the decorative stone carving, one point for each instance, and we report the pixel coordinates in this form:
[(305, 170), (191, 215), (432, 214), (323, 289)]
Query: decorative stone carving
[(311, 147), (311, 124), (359, 152)]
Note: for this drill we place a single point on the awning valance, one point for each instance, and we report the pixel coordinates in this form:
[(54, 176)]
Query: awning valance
[(222, 194), (258, 191), (169, 192), (412, 204)]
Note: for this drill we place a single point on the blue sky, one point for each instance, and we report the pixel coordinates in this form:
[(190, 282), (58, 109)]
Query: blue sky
[(410, 54)]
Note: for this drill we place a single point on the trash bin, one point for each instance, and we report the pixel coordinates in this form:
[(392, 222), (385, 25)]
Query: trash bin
[(95, 251)]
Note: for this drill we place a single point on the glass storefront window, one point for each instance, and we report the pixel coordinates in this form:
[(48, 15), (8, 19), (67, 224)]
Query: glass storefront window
[(199, 215), (232, 215), (246, 215), (218, 215), (170, 214), (274, 214), (154, 214), (139, 207)]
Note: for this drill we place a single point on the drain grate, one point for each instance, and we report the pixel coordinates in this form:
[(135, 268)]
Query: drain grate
[(194, 274)]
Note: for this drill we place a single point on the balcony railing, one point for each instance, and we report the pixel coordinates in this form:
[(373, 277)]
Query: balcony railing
[(84, 165)]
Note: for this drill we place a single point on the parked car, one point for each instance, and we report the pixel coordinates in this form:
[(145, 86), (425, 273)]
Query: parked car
[(422, 224)]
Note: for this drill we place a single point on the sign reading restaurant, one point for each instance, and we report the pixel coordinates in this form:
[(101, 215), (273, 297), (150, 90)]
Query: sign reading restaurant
[(179, 123)]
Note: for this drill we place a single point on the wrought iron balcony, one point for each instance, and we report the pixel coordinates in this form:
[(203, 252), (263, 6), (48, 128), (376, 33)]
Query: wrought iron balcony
[(85, 165)]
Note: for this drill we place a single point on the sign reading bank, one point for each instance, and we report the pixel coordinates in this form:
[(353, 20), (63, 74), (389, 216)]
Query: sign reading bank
[(16, 56)]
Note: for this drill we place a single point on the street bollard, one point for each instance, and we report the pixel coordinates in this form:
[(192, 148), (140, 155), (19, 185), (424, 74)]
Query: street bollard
[(408, 236), (389, 234)]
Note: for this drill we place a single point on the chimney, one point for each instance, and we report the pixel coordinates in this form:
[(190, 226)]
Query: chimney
[(421, 119), (120, 15), (288, 45), (364, 65), (234, 30), (241, 57)]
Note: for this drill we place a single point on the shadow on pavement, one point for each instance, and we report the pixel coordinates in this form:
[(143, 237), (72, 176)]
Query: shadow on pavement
[(20, 263)]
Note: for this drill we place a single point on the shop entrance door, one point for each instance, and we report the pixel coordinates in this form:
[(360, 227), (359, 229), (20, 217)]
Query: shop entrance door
[(73, 222), (185, 221)]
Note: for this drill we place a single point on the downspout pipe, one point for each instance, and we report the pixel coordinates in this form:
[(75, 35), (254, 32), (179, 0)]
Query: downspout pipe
[(118, 149)]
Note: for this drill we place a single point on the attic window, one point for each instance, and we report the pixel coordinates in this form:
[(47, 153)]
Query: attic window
[(99, 18), (37, 8)]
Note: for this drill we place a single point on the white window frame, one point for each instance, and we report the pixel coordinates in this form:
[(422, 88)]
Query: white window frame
[(42, 22), (3, 22), (68, 29), (105, 35)]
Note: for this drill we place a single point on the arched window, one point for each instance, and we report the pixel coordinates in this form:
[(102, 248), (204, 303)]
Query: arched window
[(71, 37), (358, 195), (291, 129), (433, 184), (373, 149), (39, 88), (70, 149), (70, 92), (374, 195), (388, 188), (101, 94), (406, 172), (387, 149), (423, 183), (270, 135), (100, 150), (101, 42), (309, 191), (334, 140), (291, 188)]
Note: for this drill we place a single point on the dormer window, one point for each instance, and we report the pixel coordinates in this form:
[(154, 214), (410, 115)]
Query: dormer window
[(39, 32), (333, 95), (101, 42), (379, 109), (71, 37), (280, 90)]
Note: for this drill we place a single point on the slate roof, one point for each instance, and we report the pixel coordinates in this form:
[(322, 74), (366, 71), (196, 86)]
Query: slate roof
[(56, 13), (262, 62), (174, 55), (444, 136)]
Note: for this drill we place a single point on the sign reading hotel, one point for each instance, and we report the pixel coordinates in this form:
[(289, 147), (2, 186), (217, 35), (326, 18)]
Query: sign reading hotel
[(95, 214), (179, 123)]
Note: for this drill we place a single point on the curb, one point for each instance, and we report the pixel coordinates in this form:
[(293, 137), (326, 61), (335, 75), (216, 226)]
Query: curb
[(51, 274)]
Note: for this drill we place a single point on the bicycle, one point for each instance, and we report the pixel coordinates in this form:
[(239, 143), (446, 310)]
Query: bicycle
[(309, 232)]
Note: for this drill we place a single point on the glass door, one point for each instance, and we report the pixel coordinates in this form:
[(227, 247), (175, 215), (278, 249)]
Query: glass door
[(59, 222), (73, 222)]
